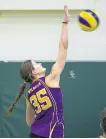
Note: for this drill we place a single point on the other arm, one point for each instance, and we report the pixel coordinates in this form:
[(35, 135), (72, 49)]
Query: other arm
[(30, 113)]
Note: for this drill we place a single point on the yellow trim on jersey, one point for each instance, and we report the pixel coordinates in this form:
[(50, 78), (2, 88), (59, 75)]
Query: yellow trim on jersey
[(51, 132), (55, 109), (54, 106)]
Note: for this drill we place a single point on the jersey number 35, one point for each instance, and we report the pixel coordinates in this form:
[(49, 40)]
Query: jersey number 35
[(40, 101)]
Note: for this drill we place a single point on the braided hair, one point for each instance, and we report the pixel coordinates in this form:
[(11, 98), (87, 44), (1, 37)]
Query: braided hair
[(26, 74)]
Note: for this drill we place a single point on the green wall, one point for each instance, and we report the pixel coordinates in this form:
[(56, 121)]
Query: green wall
[(84, 98)]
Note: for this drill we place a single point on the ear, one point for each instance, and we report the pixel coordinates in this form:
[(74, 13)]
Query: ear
[(34, 72)]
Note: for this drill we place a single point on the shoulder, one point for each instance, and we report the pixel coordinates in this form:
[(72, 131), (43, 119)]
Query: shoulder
[(50, 82)]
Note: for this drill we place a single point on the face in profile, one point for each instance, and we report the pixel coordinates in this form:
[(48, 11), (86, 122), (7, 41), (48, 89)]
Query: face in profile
[(38, 68)]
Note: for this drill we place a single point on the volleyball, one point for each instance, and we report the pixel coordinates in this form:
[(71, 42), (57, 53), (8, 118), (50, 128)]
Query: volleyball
[(88, 20)]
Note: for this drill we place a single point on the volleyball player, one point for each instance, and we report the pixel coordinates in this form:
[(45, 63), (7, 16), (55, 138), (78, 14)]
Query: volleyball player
[(44, 104)]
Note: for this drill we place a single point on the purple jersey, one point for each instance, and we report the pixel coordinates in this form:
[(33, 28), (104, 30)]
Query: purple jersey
[(48, 105)]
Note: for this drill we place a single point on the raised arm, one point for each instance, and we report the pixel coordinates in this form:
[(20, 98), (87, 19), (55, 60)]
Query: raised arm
[(63, 46)]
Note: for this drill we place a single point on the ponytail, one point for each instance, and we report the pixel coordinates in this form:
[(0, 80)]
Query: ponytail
[(20, 93)]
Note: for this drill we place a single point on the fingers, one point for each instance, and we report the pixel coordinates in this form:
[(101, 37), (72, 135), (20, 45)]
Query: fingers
[(66, 10), (65, 6), (66, 14)]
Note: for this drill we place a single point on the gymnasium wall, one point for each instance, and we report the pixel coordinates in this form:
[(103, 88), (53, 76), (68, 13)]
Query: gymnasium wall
[(45, 5), (84, 89), (31, 31)]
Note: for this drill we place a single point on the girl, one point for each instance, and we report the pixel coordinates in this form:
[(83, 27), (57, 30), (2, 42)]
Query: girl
[(44, 104)]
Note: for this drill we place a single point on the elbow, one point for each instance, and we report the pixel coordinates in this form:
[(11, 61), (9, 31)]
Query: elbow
[(29, 119), (29, 122), (64, 44), (30, 115)]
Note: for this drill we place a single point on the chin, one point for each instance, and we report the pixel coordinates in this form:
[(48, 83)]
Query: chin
[(44, 69)]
